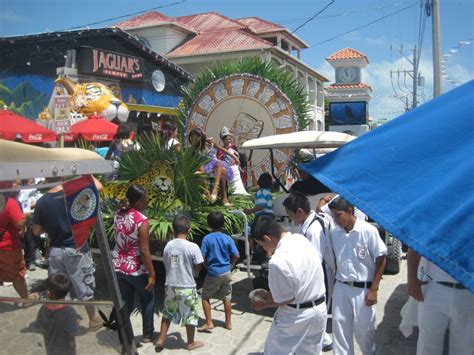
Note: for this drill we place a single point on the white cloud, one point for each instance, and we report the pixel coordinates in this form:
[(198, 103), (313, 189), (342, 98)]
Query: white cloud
[(327, 70), (392, 92), (389, 103), (380, 41), (459, 73)]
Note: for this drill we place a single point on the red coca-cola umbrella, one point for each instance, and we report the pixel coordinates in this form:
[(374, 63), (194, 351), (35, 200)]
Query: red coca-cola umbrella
[(95, 128), (13, 126)]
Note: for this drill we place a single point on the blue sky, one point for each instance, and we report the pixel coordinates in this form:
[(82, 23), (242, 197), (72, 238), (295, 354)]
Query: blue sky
[(343, 16)]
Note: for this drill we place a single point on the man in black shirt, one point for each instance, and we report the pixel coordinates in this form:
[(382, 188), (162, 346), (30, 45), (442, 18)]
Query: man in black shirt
[(50, 217)]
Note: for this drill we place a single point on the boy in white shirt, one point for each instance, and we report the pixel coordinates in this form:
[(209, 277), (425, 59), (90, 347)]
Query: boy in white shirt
[(182, 259), (360, 262)]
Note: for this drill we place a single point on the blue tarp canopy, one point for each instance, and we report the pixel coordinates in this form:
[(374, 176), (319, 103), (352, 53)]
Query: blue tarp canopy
[(415, 177)]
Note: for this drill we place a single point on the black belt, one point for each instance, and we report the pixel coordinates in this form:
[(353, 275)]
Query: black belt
[(359, 284), (308, 304), (452, 285)]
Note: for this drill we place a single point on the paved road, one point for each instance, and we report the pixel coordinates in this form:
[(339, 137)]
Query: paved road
[(17, 334)]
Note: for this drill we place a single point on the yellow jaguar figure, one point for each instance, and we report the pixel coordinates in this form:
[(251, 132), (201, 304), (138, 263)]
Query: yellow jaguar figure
[(158, 182), (94, 98)]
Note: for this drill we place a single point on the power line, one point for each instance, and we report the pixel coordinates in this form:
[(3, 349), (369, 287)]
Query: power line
[(421, 30), (123, 16), (388, 33), (365, 25), (314, 16), (283, 22), (345, 13)]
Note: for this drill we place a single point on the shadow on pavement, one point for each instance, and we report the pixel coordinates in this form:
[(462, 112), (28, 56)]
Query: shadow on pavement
[(389, 339), (240, 299), (8, 307)]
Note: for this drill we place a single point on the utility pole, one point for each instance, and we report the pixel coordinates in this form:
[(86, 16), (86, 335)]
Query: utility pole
[(415, 79), (414, 76), (437, 84)]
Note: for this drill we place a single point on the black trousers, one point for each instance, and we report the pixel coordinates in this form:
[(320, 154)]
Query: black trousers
[(31, 244)]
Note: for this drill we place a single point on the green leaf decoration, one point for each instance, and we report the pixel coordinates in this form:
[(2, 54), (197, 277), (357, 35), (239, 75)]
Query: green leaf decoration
[(189, 183), (256, 66)]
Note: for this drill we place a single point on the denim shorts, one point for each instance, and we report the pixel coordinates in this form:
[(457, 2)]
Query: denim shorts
[(78, 266)]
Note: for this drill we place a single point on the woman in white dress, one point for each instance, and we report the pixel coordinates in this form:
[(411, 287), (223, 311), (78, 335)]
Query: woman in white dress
[(231, 157)]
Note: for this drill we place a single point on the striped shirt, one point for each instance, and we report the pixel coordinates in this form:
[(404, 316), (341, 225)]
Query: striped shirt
[(263, 197)]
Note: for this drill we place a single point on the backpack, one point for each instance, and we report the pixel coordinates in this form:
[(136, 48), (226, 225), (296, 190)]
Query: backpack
[(323, 221)]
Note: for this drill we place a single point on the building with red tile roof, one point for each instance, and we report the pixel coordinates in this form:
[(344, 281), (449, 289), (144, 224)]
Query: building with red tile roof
[(348, 97), (348, 64), (219, 42), (197, 41), (349, 86), (347, 53), (209, 21)]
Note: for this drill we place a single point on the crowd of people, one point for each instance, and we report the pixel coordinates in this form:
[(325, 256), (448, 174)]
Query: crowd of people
[(182, 259), (334, 259)]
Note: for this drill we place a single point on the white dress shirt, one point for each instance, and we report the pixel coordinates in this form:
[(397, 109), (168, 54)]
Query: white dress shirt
[(356, 251), (295, 271)]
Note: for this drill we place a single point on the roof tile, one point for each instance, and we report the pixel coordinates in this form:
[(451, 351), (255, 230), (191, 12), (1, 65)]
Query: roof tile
[(349, 86), (258, 25), (346, 53), (209, 21), (145, 20), (218, 42)]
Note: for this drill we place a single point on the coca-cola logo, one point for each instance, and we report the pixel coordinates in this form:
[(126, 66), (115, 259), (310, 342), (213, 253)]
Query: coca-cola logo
[(35, 137), (100, 137)]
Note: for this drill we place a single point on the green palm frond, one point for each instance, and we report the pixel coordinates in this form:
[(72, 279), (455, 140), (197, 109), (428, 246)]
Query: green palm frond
[(256, 66), (135, 163), (153, 150), (188, 182), (132, 165)]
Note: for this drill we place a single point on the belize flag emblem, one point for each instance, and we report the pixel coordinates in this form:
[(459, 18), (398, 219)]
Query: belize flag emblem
[(82, 201)]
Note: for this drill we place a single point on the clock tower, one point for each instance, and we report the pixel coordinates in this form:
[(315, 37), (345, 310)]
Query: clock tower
[(348, 97)]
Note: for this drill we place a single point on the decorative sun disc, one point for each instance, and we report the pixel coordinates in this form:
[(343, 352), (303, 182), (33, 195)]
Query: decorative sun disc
[(251, 107)]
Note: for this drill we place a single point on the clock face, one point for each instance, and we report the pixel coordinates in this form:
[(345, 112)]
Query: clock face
[(347, 75), (84, 205)]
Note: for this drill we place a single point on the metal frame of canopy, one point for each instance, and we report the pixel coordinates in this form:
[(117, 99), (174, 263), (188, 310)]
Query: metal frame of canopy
[(315, 140), (21, 161)]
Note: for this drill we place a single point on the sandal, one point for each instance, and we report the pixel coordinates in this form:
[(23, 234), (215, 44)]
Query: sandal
[(213, 198), (205, 328)]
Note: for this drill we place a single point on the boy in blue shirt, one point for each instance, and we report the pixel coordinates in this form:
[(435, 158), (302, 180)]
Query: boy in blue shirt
[(263, 198), (220, 256)]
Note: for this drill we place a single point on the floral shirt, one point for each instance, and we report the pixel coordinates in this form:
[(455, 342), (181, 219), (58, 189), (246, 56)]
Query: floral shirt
[(126, 256)]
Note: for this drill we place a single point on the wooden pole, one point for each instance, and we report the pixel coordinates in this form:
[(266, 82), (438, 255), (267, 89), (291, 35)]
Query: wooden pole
[(124, 326)]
